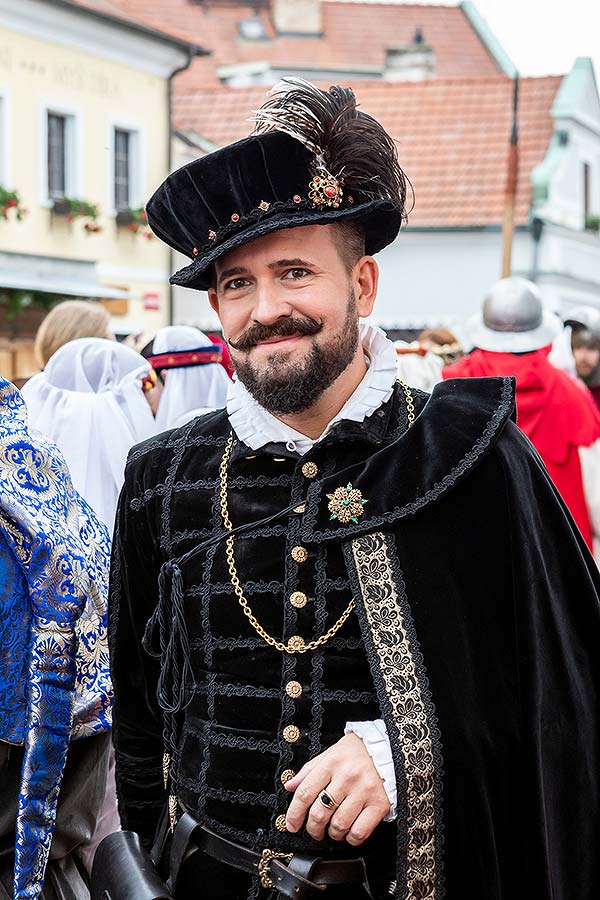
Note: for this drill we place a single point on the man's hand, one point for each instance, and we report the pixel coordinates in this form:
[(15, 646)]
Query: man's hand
[(347, 773)]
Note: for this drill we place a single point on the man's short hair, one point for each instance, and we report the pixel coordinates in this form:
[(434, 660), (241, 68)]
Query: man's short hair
[(349, 237)]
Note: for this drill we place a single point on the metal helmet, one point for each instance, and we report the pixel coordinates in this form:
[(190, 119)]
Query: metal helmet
[(513, 304), (514, 319)]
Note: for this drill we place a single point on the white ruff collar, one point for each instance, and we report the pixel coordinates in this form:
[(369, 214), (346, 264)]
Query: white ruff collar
[(256, 427)]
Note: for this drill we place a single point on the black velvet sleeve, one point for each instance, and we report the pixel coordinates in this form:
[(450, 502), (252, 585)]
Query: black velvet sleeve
[(557, 619), (137, 732)]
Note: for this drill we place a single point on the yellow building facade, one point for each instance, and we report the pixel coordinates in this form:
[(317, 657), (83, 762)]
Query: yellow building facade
[(84, 140)]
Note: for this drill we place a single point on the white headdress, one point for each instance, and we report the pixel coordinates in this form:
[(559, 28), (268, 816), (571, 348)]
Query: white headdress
[(89, 401), (194, 389)]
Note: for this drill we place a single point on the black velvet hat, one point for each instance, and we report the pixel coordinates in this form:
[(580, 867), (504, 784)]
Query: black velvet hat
[(314, 159)]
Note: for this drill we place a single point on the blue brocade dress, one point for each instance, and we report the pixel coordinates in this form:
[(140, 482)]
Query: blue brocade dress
[(54, 669)]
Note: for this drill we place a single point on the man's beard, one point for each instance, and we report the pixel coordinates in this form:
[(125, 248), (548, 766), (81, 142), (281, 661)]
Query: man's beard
[(285, 388)]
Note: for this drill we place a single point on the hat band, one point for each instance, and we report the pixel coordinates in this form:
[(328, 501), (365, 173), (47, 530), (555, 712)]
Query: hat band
[(323, 191), (180, 359)]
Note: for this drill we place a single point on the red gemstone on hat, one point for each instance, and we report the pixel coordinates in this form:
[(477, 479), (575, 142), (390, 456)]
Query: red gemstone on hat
[(212, 235), (350, 199), (264, 205), (195, 251), (330, 191), (235, 217), (316, 201), (316, 179)]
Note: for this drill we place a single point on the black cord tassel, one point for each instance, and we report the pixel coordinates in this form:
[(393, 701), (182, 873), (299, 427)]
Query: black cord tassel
[(167, 628)]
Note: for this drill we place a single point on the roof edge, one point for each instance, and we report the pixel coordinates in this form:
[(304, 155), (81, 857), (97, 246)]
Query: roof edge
[(566, 102), (488, 38), (130, 25)]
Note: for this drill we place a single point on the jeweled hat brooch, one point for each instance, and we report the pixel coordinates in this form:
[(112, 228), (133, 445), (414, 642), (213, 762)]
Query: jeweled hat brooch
[(313, 159)]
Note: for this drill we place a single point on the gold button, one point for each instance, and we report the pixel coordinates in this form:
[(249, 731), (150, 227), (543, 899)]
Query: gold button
[(299, 554), (298, 599), (295, 643), (280, 823), (287, 775), (293, 689), (309, 469), (291, 733)]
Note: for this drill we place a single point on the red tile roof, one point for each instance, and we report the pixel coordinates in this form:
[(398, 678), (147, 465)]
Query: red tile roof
[(452, 134), (452, 137), (354, 34)]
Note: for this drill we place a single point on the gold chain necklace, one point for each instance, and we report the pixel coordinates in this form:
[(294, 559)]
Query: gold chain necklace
[(295, 644)]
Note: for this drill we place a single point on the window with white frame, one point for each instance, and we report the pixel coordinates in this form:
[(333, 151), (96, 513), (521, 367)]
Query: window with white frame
[(125, 168), (59, 155)]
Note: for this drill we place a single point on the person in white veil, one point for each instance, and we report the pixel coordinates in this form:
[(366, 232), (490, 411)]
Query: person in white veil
[(90, 401), (190, 367)]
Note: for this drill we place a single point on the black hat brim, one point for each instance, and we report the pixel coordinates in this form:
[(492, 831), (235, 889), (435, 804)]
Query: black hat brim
[(380, 219)]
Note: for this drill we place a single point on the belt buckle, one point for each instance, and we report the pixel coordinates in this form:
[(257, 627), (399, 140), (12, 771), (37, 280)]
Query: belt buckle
[(264, 865)]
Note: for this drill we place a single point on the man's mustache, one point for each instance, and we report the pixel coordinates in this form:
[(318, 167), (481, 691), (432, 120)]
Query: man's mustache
[(288, 327)]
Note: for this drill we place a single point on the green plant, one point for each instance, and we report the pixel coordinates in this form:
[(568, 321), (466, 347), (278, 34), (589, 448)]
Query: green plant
[(10, 200), (80, 209), (592, 223), (16, 301), (73, 208), (136, 221)]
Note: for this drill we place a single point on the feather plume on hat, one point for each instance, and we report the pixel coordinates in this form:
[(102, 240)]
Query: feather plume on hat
[(347, 143)]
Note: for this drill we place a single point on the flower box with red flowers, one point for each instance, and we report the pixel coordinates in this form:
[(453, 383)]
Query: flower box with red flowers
[(134, 220), (72, 208), (10, 202)]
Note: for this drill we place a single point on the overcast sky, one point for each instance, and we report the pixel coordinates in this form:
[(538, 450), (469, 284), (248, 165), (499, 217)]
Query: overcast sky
[(543, 37)]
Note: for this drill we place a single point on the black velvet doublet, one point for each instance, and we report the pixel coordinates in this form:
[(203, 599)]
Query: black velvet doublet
[(476, 636)]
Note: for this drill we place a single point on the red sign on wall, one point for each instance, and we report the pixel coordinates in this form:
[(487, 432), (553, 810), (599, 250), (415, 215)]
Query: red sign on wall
[(151, 301)]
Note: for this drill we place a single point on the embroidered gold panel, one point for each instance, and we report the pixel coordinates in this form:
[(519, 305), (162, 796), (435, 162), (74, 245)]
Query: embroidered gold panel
[(400, 664)]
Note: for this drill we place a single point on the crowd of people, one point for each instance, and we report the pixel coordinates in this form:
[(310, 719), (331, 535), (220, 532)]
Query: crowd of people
[(556, 364), (415, 613)]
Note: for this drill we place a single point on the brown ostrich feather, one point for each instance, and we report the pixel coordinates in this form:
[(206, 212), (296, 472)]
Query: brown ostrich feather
[(347, 143)]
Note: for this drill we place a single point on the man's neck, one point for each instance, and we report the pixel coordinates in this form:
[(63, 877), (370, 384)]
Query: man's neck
[(312, 422)]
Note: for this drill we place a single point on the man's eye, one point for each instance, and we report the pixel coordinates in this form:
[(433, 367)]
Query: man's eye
[(236, 283), (294, 274)]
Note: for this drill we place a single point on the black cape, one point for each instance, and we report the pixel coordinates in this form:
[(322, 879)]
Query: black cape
[(478, 605)]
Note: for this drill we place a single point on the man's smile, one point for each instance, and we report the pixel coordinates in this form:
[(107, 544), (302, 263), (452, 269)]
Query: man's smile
[(278, 341)]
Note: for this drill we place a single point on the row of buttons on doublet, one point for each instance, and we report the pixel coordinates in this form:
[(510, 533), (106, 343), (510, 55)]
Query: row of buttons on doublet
[(291, 733)]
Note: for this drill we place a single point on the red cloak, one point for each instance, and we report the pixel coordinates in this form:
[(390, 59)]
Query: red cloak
[(555, 412)]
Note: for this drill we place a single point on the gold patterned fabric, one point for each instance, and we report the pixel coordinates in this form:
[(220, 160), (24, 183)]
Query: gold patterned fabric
[(414, 736)]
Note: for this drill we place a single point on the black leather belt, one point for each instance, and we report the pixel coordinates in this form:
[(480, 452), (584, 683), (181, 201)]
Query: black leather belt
[(292, 875)]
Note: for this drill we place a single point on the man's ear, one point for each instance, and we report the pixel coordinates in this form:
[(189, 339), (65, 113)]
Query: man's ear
[(213, 299), (366, 281)]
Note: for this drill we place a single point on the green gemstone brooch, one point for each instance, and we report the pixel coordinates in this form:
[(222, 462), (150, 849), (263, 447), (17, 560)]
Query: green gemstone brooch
[(346, 504)]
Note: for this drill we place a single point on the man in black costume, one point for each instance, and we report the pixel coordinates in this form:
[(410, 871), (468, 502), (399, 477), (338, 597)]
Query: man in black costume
[(353, 626)]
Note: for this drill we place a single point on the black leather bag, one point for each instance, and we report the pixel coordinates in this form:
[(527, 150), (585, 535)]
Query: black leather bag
[(123, 870)]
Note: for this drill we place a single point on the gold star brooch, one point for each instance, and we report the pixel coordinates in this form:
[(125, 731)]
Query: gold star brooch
[(346, 504)]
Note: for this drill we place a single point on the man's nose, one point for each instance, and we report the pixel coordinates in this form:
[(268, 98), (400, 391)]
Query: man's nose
[(270, 305)]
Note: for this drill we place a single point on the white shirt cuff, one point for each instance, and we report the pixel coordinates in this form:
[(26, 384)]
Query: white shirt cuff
[(375, 738)]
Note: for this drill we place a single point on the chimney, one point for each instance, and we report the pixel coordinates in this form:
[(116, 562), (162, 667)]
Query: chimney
[(297, 16), (409, 62)]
